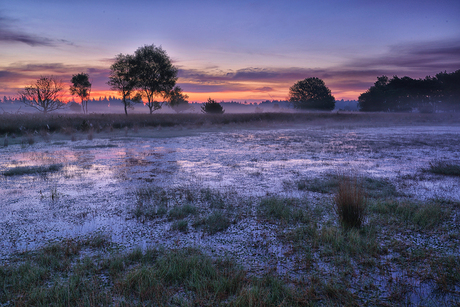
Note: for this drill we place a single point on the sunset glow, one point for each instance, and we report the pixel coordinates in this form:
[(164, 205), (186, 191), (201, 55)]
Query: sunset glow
[(234, 50)]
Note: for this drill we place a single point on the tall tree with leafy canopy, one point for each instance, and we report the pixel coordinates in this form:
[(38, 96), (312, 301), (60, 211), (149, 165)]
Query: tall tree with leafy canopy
[(123, 79), (44, 95), (311, 93), (81, 87), (156, 75)]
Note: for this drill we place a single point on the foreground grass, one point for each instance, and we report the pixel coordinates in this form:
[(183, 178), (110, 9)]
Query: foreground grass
[(60, 275)]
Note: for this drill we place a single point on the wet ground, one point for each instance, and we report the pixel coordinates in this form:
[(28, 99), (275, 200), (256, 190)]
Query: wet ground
[(95, 188)]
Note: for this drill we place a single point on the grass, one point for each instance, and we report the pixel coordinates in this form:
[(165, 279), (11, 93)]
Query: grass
[(284, 209), (444, 168), (18, 123), (373, 187), (180, 212), (424, 215), (59, 275), (150, 203), (350, 203), (32, 170), (214, 222)]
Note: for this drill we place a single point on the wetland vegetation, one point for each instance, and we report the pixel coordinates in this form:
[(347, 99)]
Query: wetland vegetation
[(320, 211)]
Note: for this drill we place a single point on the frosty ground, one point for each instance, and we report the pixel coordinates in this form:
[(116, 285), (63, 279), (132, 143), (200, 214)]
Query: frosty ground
[(260, 195)]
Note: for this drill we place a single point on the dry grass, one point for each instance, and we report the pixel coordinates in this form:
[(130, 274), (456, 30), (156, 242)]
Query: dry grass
[(350, 202), (18, 123)]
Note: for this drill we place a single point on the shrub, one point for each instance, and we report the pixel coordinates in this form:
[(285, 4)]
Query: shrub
[(350, 202), (212, 107)]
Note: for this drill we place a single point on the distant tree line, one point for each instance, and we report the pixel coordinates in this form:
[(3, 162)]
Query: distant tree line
[(431, 94)]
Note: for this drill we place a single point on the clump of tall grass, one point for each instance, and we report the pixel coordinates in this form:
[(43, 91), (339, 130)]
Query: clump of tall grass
[(350, 202), (151, 203), (444, 168)]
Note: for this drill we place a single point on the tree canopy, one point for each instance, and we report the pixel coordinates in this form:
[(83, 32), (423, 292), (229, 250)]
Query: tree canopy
[(311, 93), (155, 73), (405, 94), (123, 79), (178, 100), (81, 87), (44, 95)]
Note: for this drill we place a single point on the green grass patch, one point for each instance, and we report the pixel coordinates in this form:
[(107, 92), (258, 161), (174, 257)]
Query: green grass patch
[(373, 187), (180, 212), (285, 209), (424, 215), (181, 225), (213, 223), (32, 170), (151, 203)]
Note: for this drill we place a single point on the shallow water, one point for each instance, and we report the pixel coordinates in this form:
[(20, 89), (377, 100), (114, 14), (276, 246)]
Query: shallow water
[(94, 191)]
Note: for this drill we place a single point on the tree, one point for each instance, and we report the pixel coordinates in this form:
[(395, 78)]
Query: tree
[(44, 95), (311, 93), (81, 87), (156, 75), (212, 107), (178, 100), (122, 78)]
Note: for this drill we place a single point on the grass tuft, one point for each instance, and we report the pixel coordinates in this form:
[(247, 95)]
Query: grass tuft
[(213, 223), (350, 203)]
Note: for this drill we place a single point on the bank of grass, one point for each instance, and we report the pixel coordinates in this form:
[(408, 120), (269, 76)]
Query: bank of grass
[(26, 123), (441, 167), (32, 170)]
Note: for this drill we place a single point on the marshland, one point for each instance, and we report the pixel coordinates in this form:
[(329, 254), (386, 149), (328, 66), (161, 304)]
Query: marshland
[(262, 209)]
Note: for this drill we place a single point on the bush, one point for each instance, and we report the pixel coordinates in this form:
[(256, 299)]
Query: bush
[(350, 202), (212, 107)]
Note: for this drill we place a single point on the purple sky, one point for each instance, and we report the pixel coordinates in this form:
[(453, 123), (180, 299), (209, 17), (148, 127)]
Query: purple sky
[(232, 50)]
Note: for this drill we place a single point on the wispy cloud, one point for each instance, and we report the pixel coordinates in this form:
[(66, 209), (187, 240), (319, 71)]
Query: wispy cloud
[(9, 33), (420, 57)]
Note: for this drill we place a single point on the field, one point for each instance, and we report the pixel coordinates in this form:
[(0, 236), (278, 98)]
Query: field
[(232, 210)]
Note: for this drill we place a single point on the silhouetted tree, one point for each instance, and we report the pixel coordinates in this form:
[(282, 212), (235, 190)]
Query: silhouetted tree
[(406, 94), (212, 107), (81, 87), (178, 100), (311, 93), (44, 95), (156, 75), (122, 78)]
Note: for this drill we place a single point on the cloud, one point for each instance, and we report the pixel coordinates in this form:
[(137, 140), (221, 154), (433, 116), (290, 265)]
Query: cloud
[(10, 34), (264, 89), (421, 57)]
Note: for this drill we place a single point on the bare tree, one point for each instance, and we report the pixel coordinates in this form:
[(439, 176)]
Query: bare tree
[(44, 95), (81, 87), (123, 79)]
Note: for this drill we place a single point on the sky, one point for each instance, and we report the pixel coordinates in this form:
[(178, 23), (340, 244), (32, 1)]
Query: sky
[(232, 50)]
